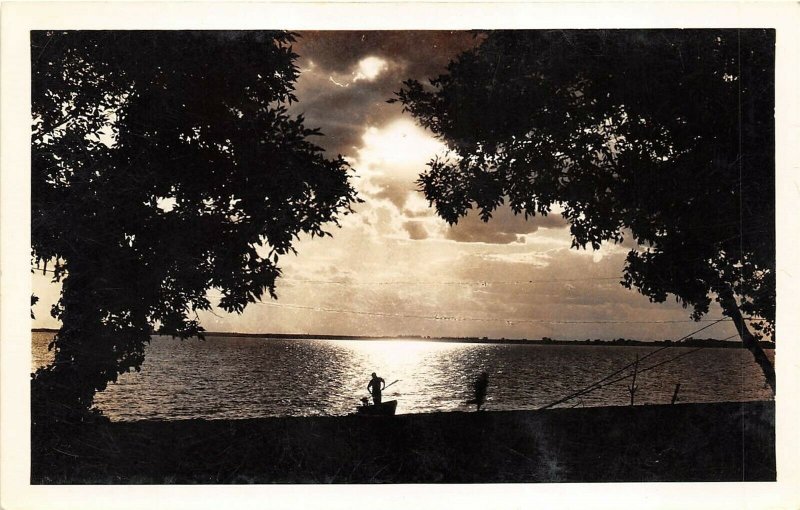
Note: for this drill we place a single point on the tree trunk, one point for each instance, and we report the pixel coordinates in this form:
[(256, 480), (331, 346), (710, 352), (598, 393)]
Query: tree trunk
[(63, 391), (731, 309), (85, 357)]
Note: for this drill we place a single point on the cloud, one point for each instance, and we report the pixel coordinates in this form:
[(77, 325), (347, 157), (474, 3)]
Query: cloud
[(387, 162), (396, 236), (395, 255), (347, 77), (424, 52), (531, 258), (400, 147), (369, 68), (341, 110), (504, 227), (416, 230), (391, 157)]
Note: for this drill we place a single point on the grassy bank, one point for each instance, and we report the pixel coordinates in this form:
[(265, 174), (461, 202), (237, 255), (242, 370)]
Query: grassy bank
[(685, 442)]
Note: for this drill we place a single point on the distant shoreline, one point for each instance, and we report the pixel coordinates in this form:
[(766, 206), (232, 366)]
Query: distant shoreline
[(690, 342)]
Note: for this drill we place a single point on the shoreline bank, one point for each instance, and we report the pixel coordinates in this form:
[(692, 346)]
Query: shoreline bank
[(733, 441)]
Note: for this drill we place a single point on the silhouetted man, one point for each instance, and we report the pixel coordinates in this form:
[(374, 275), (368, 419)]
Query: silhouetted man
[(481, 384), (479, 387), (375, 386)]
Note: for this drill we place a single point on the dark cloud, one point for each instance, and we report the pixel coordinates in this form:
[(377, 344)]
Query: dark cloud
[(343, 112), (425, 53), (416, 230), (504, 227)]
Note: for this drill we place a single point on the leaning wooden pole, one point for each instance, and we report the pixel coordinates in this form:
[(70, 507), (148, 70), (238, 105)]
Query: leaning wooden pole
[(632, 388), (731, 309), (675, 395)]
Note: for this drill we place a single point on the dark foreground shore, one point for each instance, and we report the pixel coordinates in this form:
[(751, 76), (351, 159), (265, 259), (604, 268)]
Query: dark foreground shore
[(685, 442)]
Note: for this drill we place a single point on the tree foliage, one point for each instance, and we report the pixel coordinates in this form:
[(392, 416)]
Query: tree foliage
[(663, 135), (164, 164)]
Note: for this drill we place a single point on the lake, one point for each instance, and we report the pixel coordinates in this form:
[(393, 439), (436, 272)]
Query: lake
[(246, 377)]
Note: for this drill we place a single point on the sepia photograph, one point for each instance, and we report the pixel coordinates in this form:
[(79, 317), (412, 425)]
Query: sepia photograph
[(310, 256)]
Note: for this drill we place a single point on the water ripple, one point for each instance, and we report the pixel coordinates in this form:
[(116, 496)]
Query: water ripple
[(255, 377)]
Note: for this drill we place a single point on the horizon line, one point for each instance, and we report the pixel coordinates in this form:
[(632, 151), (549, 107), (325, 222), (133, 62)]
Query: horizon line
[(470, 339)]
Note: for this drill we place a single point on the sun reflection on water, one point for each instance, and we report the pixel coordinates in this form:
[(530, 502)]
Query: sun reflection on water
[(231, 377), (419, 367)]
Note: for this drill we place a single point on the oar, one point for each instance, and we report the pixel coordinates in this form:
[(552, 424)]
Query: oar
[(390, 384), (397, 381)]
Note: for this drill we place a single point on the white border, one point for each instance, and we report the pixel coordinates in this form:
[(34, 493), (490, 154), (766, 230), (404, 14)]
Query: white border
[(19, 18)]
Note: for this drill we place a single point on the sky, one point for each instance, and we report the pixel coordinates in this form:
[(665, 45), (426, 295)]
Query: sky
[(394, 267)]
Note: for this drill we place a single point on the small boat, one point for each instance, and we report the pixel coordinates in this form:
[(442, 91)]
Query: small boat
[(383, 409)]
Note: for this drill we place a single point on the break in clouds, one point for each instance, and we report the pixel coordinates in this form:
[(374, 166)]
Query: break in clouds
[(345, 82)]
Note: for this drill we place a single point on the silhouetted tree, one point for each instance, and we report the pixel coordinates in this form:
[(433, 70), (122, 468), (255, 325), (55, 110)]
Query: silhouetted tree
[(164, 164), (663, 135)]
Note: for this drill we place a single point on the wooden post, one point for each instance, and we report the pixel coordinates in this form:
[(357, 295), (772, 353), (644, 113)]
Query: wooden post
[(632, 388), (675, 395)]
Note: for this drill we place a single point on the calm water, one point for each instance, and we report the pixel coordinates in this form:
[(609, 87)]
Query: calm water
[(254, 377)]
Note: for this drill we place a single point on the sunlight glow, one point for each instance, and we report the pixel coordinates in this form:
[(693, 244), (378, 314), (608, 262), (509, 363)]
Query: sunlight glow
[(369, 68), (401, 352), (410, 362), (402, 144)]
